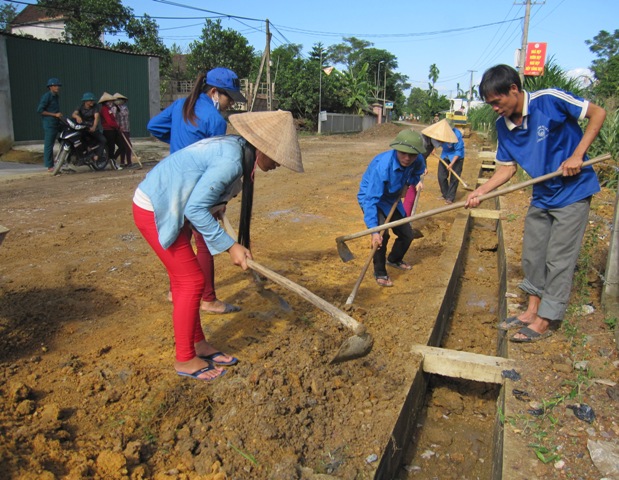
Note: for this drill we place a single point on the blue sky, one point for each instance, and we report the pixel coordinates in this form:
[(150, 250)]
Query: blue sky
[(457, 36)]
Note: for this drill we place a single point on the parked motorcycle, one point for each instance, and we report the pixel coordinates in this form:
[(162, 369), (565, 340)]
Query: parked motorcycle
[(77, 148)]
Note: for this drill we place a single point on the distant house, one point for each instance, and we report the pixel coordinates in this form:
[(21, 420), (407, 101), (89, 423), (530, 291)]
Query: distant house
[(34, 21)]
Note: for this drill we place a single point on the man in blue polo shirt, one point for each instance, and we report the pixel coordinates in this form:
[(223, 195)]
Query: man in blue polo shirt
[(539, 131), (381, 186)]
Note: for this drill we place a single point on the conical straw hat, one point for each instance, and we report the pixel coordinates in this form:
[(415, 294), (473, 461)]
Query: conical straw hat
[(106, 97), (273, 133), (441, 131), (119, 96)]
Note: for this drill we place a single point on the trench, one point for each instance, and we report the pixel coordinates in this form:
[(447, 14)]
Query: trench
[(455, 430), (450, 427)]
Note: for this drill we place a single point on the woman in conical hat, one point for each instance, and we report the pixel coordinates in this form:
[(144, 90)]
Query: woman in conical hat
[(182, 192), (187, 121)]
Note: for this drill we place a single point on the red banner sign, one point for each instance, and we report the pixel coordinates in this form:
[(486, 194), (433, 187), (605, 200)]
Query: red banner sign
[(535, 59)]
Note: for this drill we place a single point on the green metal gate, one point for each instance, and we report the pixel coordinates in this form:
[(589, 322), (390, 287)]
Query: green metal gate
[(81, 69)]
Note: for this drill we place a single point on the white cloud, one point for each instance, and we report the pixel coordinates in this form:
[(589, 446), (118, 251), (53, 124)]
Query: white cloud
[(584, 75)]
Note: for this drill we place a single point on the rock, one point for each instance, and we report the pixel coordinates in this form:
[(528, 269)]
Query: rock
[(111, 465), (19, 391)]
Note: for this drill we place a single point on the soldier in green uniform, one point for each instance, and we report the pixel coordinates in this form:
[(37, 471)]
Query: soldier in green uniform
[(49, 109)]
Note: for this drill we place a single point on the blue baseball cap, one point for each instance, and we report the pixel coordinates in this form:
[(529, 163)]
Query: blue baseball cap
[(52, 82), (226, 80)]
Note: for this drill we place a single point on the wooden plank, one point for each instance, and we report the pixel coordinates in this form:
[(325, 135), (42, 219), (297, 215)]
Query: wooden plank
[(486, 166), (481, 181), (486, 213), (491, 155), (470, 366)]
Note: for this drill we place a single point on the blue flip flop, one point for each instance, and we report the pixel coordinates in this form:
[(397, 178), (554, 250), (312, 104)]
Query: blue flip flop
[(211, 358), (197, 373)]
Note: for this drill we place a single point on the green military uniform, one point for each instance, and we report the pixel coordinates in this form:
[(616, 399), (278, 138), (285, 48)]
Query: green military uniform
[(49, 102)]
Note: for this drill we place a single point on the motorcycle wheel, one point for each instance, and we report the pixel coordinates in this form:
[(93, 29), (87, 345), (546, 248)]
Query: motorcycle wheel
[(60, 160), (101, 163)]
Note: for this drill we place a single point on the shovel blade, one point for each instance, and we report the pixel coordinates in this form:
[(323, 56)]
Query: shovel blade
[(354, 347), (344, 252)]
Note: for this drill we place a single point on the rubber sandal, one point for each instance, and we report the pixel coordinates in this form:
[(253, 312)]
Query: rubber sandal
[(510, 323), (195, 375), (401, 265), (212, 356), (530, 335), (228, 308), (383, 281)]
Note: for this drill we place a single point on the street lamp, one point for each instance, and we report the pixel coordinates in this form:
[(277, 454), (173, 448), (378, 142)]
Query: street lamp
[(378, 78)]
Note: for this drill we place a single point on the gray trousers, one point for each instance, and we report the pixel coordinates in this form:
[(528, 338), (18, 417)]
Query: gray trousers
[(550, 248)]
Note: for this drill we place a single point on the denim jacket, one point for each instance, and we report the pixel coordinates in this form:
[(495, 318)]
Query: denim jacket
[(189, 183)]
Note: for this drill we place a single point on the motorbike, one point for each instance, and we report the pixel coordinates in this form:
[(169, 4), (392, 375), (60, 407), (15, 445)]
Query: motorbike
[(78, 148)]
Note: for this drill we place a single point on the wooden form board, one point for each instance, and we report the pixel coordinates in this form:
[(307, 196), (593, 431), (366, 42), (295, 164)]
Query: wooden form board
[(486, 213), (470, 366)]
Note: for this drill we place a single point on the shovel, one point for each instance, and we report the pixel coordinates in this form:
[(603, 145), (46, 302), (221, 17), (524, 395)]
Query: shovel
[(346, 255), (462, 182), (359, 345)]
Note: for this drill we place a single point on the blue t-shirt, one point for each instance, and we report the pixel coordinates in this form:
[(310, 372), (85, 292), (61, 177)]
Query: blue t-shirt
[(383, 182), (170, 127), (548, 136)]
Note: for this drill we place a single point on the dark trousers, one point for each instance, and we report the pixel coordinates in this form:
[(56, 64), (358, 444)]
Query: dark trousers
[(447, 182), (100, 139), (48, 146), (114, 140), (404, 234)]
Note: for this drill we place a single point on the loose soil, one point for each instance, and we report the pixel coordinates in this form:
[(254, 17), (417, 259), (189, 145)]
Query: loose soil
[(87, 383)]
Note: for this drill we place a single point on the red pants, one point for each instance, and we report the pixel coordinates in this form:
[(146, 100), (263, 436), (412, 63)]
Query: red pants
[(207, 264), (186, 282)]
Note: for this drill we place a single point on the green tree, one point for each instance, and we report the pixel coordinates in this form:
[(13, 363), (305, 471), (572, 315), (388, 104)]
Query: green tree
[(8, 13), (355, 89), (348, 52), (86, 21), (606, 67), (145, 35), (217, 47), (433, 75)]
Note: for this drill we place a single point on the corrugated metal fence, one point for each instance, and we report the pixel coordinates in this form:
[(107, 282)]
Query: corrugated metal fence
[(346, 123), (81, 69)]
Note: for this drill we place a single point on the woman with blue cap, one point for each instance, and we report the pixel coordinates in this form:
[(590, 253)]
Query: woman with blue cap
[(187, 121), (49, 109)]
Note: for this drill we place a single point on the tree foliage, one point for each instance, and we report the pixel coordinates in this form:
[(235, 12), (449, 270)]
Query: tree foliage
[(218, 47), (606, 67), (554, 77), (8, 13), (86, 21)]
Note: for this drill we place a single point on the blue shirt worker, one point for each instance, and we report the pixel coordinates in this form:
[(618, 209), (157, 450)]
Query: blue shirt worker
[(453, 161), (539, 131), (382, 185), (49, 109), (198, 116)]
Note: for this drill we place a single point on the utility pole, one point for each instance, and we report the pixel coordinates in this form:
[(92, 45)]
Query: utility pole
[(268, 61), (525, 36), (468, 108), (266, 55)]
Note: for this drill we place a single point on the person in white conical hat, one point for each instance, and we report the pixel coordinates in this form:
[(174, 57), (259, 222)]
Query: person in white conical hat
[(173, 199)]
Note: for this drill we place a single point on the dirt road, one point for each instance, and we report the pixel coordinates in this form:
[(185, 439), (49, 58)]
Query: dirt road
[(86, 350)]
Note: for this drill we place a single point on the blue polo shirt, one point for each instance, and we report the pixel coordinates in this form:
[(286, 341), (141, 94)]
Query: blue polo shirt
[(548, 136), (383, 182), (450, 150), (170, 127)]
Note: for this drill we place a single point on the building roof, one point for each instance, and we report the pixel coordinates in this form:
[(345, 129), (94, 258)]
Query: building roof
[(34, 14)]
